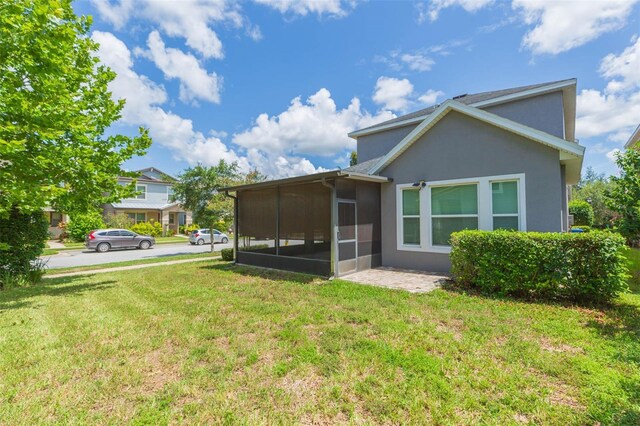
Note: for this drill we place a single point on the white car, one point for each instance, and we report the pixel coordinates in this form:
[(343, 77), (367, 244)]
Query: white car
[(203, 236)]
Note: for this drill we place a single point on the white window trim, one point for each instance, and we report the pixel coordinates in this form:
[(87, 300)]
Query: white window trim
[(145, 191), (168, 188), (400, 216), (136, 213), (485, 209)]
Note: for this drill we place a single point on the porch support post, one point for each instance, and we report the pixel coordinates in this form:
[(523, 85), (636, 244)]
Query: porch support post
[(276, 240), (334, 228)]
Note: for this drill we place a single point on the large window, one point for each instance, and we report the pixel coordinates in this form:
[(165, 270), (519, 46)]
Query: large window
[(429, 214), (453, 208), (411, 216), (137, 217), (504, 205)]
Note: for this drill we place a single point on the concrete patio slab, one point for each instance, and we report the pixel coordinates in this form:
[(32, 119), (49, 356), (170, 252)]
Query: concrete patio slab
[(399, 279)]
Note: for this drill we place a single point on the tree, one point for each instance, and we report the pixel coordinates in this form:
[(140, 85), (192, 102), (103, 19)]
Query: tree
[(594, 193), (353, 158), (624, 195), (55, 107), (197, 190)]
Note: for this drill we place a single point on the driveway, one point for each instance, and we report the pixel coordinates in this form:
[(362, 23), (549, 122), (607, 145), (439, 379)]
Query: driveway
[(71, 258)]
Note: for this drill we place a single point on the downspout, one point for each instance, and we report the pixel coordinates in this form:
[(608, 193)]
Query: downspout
[(334, 227), (235, 225)]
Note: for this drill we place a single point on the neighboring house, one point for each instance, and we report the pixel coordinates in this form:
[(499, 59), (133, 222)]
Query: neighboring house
[(152, 202), (634, 140), (492, 160), (55, 218)]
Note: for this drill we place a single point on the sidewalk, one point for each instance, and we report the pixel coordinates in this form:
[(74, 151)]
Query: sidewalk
[(127, 268), (55, 244)]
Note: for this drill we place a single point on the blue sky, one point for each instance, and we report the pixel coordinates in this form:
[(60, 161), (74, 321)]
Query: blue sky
[(277, 84)]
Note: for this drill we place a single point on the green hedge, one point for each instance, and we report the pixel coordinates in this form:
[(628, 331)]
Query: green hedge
[(582, 213), (80, 224), (227, 254), (22, 239), (151, 228), (577, 267)]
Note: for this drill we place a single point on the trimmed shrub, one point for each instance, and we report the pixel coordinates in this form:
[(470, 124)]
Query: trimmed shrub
[(576, 267), (118, 221), (582, 213), (227, 254), (81, 224), (22, 239), (187, 229), (153, 229)]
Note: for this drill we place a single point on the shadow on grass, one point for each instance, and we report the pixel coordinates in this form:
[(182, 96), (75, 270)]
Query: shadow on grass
[(19, 297), (265, 273)]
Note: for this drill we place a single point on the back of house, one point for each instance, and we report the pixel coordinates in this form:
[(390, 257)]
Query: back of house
[(493, 160)]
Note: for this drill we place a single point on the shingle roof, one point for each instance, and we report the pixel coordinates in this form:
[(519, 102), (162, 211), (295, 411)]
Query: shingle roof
[(466, 99), (363, 167)]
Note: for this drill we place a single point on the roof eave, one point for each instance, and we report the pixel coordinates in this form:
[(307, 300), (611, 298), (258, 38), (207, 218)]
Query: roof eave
[(570, 150), (316, 177), (569, 104)]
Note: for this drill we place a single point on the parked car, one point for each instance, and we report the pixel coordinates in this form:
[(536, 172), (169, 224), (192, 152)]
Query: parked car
[(203, 236), (103, 240)]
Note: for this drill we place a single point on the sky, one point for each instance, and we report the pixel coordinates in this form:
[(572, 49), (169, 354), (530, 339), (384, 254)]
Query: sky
[(276, 85)]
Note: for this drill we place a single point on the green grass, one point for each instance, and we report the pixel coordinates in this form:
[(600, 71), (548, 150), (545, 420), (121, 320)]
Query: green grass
[(210, 343), (131, 262), (634, 258)]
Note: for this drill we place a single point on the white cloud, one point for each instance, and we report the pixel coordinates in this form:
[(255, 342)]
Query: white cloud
[(276, 145), (613, 112), (417, 62), (195, 81), (315, 127), (188, 19), (143, 108), (435, 6), (333, 8), (398, 95), (393, 93), (430, 97), (626, 65), (611, 155), (564, 25)]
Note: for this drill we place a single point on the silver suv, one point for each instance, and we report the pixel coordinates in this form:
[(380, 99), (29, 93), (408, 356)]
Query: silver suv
[(103, 240)]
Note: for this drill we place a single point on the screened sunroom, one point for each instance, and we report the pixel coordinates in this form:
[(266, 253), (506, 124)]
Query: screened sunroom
[(324, 224)]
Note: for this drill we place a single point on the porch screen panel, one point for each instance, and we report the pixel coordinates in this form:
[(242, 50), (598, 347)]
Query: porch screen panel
[(257, 210), (369, 235), (305, 221)]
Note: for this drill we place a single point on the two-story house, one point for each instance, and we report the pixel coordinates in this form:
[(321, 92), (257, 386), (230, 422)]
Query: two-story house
[(493, 160), (154, 189)]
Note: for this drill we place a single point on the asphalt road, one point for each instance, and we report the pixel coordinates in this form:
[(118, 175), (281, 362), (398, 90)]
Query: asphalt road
[(71, 258)]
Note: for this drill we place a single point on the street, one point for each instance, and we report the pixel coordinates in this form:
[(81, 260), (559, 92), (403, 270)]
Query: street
[(84, 257)]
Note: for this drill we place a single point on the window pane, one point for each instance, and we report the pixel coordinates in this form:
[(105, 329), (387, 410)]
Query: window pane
[(411, 230), (143, 192), (443, 227), (505, 223), (410, 202), (140, 217), (505, 197), (459, 199)]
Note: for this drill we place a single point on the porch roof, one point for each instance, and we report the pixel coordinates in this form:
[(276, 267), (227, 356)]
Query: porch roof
[(143, 206), (316, 177)]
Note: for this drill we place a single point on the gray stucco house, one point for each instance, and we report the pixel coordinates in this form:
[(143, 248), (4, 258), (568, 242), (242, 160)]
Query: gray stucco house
[(499, 159)]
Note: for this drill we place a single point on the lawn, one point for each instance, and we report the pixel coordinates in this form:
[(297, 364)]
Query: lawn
[(211, 343)]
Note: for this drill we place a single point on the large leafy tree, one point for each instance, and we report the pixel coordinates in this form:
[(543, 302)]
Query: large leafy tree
[(54, 110), (198, 187), (624, 195)]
